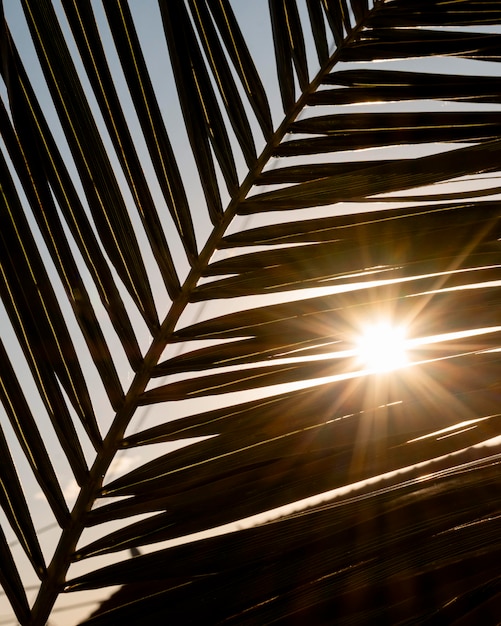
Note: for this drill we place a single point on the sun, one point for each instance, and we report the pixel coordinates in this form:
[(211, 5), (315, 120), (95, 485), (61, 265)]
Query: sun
[(382, 347)]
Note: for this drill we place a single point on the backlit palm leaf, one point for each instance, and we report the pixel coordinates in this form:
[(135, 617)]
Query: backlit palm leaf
[(190, 245)]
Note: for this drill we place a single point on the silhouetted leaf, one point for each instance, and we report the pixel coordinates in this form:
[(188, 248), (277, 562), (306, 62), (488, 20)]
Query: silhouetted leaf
[(193, 388), (85, 31)]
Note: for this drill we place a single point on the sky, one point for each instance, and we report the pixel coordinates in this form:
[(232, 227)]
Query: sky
[(256, 27), (148, 24)]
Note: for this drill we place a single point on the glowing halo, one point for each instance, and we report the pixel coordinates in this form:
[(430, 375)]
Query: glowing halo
[(382, 347)]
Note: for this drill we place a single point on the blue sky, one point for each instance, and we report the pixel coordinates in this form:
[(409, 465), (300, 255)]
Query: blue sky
[(256, 27)]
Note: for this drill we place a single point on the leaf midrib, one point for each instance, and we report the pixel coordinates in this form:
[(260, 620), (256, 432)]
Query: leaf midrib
[(53, 583)]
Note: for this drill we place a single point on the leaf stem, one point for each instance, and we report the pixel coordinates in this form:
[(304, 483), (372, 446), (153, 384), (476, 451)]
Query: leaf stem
[(54, 582)]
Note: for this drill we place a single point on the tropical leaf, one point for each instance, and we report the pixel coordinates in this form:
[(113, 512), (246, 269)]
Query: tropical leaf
[(204, 206)]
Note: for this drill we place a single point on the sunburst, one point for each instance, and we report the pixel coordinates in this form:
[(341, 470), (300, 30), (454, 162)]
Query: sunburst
[(382, 347)]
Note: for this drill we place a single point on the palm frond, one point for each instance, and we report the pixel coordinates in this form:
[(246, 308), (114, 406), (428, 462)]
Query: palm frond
[(197, 222)]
